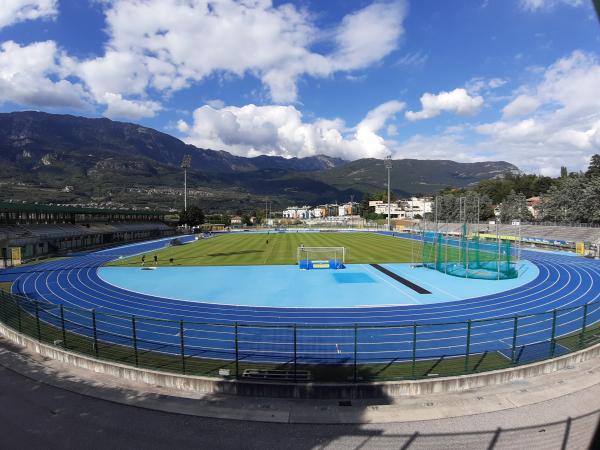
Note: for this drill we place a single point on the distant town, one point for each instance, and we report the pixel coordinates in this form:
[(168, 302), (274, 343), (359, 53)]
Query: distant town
[(412, 208)]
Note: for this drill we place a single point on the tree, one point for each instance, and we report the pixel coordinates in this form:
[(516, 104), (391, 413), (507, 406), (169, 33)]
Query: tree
[(564, 201), (563, 172), (383, 196), (193, 216), (594, 167), (365, 209), (449, 208), (591, 199), (514, 207)]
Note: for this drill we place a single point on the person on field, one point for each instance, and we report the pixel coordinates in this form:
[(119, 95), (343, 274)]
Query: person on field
[(143, 259), (155, 260)]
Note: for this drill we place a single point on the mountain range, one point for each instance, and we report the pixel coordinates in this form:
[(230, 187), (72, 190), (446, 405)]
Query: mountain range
[(68, 159)]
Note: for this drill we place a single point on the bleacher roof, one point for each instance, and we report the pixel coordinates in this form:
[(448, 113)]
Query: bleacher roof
[(33, 207)]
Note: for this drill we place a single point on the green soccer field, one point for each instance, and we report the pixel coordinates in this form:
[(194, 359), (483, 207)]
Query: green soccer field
[(253, 249)]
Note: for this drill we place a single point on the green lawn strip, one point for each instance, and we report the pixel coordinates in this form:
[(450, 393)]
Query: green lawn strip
[(573, 341), (5, 286), (252, 249)]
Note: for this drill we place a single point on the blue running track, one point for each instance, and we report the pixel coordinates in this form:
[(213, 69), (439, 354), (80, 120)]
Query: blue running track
[(384, 333)]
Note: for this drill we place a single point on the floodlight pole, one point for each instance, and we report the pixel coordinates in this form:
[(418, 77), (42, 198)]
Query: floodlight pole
[(186, 163), (388, 165)]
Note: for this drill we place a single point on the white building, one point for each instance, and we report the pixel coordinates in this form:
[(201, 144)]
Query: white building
[(404, 209), (295, 212), (319, 211)]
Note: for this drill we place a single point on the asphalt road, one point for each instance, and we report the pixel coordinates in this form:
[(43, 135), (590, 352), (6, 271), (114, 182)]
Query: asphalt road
[(35, 415)]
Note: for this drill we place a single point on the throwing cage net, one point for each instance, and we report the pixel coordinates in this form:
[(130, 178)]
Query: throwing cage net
[(466, 255)]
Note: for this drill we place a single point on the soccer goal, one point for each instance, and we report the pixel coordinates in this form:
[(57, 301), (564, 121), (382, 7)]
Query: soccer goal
[(321, 257)]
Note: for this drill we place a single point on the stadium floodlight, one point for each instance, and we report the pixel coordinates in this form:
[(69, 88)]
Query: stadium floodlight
[(387, 162), (186, 163)]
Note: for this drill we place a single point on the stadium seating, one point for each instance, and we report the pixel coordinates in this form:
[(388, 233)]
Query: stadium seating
[(549, 232)]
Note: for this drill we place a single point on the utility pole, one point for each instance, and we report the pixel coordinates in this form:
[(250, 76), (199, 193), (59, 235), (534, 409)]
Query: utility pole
[(388, 165), (186, 163), (351, 211)]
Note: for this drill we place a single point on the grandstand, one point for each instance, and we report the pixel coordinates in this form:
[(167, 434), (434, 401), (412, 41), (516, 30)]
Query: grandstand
[(41, 230), (567, 234)]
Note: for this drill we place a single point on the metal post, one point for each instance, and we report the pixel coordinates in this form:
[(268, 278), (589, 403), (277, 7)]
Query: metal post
[(388, 166), (186, 163), (62, 325), (478, 214), (4, 309), (95, 332), (355, 351), (237, 355), (513, 358), (182, 346), (414, 351), (467, 255), (552, 343), (295, 354), (37, 321), (20, 325), (583, 325), (468, 350), (498, 243), (460, 218), (134, 337), (447, 243)]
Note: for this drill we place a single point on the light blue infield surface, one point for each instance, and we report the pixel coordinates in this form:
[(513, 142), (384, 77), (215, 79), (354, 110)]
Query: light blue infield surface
[(288, 286)]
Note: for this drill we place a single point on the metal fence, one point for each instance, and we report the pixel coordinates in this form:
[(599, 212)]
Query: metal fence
[(307, 352)]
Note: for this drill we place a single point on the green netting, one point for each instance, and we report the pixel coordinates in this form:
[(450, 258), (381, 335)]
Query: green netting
[(467, 256)]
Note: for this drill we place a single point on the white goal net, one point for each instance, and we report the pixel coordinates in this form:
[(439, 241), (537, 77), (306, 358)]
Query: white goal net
[(337, 254)]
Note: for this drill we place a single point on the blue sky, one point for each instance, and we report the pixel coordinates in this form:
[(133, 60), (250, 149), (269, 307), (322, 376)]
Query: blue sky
[(471, 80)]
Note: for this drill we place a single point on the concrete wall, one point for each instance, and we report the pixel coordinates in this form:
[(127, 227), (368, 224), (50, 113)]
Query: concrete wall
[(302, 390)]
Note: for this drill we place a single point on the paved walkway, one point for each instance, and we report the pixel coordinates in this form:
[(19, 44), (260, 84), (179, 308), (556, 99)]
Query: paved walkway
[(45, 402)]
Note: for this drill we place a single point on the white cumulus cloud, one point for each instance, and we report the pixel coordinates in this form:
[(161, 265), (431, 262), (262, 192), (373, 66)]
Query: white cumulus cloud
[(158, 47), (118, 107), (554, 120), (31, 75), (523, 104), (14, 11), (168, 44), (368, 35), (457, 101), (280, 130)]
